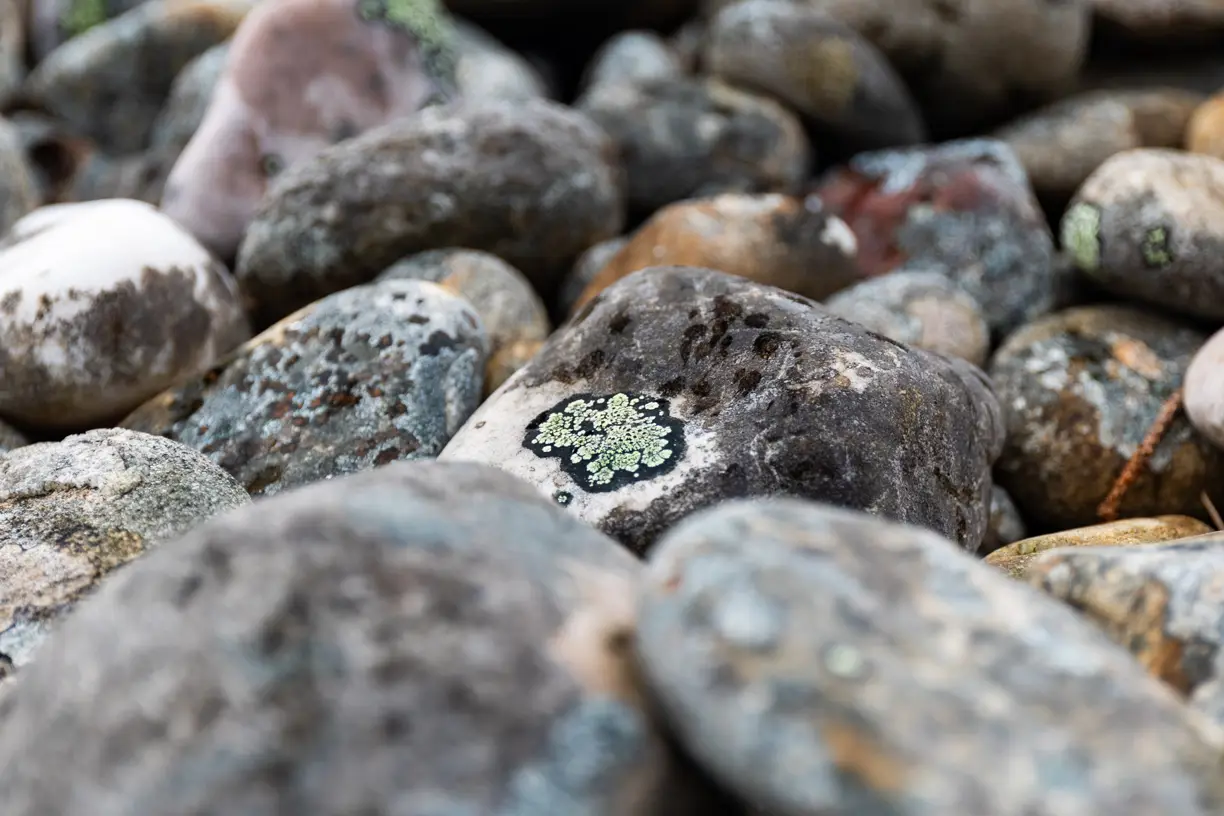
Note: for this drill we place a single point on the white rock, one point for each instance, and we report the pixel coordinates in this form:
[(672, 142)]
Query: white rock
[(102, 305), (1203, 392)]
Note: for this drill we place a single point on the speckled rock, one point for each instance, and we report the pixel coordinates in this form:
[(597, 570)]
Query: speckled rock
[(685, 138), (303, 75), (818, 66), (1165, 603), (1081, 388), (88, 82), (1203, 390), (104, 304), (678, 388), (1148, 226), (1017, 557), (783, 241), (373, 644), (487, 69), (922, 309), (588, 265), (629, 57), (512, 314), (1062, 144), (18, 193), (963, 208), (1148, 20), (1005, 526), (362, 378), (532, 182), (54, 22), (10, 438), (12, 47), (820, 661), (71, 512)]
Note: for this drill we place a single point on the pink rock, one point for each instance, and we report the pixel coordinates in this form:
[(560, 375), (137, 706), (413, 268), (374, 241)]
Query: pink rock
[(302, 75)]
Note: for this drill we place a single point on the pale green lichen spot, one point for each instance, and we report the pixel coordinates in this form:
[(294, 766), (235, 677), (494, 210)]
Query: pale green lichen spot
[(427, 21), (82, 15), (1155, 248), (1081, 235), (606, 442)]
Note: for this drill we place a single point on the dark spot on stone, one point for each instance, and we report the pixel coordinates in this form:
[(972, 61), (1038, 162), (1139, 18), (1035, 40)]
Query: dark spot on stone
[(438, 341), (756, 320), (563, 497), (619, 323), (726, 308), (691, 335), (344, 129), (746, 381), (419, 320), (590, 364), (766, 344), (387, 456), (672, 387), (264, 478)]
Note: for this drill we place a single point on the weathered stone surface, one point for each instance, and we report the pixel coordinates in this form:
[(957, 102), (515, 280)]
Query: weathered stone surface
[(919, 308), (71, 512), (1165, 603), (369, 645), (362, 378), (514, 318), (1016, 558), (487, 69), (817, 65), (187, 103), (1081, 388), (1204, 390), (684, 138), (532, 182), (1148, 225), (678, 388), (18, 194), (792, 243), (103, 304), (820, 661), (10, 438), (964, 209), (1005, 525), (629, 57)]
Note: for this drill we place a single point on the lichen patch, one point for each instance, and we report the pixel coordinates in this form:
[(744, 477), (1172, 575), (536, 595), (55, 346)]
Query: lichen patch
[(1081, 235)]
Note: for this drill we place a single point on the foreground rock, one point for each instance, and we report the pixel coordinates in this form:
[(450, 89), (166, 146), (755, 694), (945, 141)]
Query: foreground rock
[(373, 644), (821, 661), (71, 512), (678, 388), (362, 378), (104, 304)]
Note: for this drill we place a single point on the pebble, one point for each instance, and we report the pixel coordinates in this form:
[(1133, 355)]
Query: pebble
[(1165, 603), (1148, 226), (18, 190), (187, 103), (362, 378), (683, 138), (512, 314), (918, 308), (487, 69), (817, 65), (104, 304), (369, 645), (818, 660), (1005, 526), (631, 57), (1081, 389), (1061, 144), (588, 265), (779, 240), (533, 182), (303, 75), (72, 512), (678, 388), (963, 208), (1016, 558), (10, 438), (1204, 390)]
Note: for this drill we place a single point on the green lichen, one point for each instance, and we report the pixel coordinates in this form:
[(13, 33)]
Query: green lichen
[(1081, 236), (427, 21), (82, 15), (1155, 248)]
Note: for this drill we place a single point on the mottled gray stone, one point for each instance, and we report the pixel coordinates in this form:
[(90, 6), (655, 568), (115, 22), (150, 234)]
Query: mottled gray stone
[(686, 138), (689, 387), (71, 512), (1006, 525), (369, 645), (362, 378), (631, 56), (532, 182), (489, 70), (188, 100), (821, 661)]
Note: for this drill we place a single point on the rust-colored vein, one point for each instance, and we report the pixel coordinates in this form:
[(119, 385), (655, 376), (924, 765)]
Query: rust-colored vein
[(1108, 509)]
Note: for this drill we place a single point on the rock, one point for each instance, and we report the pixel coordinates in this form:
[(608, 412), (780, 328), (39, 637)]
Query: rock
[(362, 378), (104, 304), (10, 438), (678, 388), (1195, 70), (631, 57), (487, 69), (1148, 20), (588, 265), (303, 75), (817, 660), (533, 182), (370, 645), (187, 103), (783, 241), (1081, 389), (1148, 226), (18, 194), (54, 22), (12, 47), (1005, 526), (818, 66), (88, 82), (687, 138), (1016, 558), (1164, 603), (922, 309), (53, 152), (512, 314), (1062, 144), (1205, 131), (963, 208), (1204, 390), (72, 512)]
